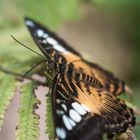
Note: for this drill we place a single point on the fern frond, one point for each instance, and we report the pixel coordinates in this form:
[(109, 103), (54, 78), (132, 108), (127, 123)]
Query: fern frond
[(49, 120), (7, 87), (28, 124)]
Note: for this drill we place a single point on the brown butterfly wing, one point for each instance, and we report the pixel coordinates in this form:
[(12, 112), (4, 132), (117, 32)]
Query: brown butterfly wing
[(86, 114), (71, 120), (111, 83), (113, 111), (95, 75)]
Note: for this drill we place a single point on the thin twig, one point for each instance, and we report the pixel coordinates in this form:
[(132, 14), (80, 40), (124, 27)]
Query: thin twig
[(21, 77)]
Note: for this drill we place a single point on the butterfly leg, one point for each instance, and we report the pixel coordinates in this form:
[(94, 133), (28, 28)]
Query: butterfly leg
[(54, 80)]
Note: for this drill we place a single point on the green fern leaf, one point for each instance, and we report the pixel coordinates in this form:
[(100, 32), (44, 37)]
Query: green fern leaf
[(28, 124), (7, 87), (49, 120)]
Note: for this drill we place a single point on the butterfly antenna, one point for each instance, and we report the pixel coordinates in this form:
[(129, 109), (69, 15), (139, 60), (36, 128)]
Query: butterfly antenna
[(27, 47), (46, 58)]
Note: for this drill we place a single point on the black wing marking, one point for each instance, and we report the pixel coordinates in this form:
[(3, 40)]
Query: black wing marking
[(111, 83), (46, 39)]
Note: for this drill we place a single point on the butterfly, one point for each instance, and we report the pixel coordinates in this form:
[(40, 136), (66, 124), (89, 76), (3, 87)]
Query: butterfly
[(84, 100)]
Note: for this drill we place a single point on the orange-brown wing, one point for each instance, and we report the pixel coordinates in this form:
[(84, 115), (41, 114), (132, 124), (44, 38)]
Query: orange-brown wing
[(81, 114), (117, 117), (95, 75)]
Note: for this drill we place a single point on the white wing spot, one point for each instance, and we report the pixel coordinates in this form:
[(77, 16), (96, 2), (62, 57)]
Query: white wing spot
[(79, 108), (64, 107), (72, 122), (44, 41), (40, 33), (61, 133), (59, 112), (74, 115), (45, 35), (85, 108), (29, 23), (51, 41), (67, 122), (58, 101), (59, 48)]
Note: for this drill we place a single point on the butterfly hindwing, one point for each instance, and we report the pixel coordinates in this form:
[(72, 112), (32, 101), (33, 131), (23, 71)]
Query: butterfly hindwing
[(90, 114), (72, 119)]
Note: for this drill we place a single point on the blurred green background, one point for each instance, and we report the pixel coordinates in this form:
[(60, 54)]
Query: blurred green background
[(104, 31)]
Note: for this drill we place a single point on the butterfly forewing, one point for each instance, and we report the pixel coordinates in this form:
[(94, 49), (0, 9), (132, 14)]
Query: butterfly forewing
[(47, 39), (83, 93), (49, 42)]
